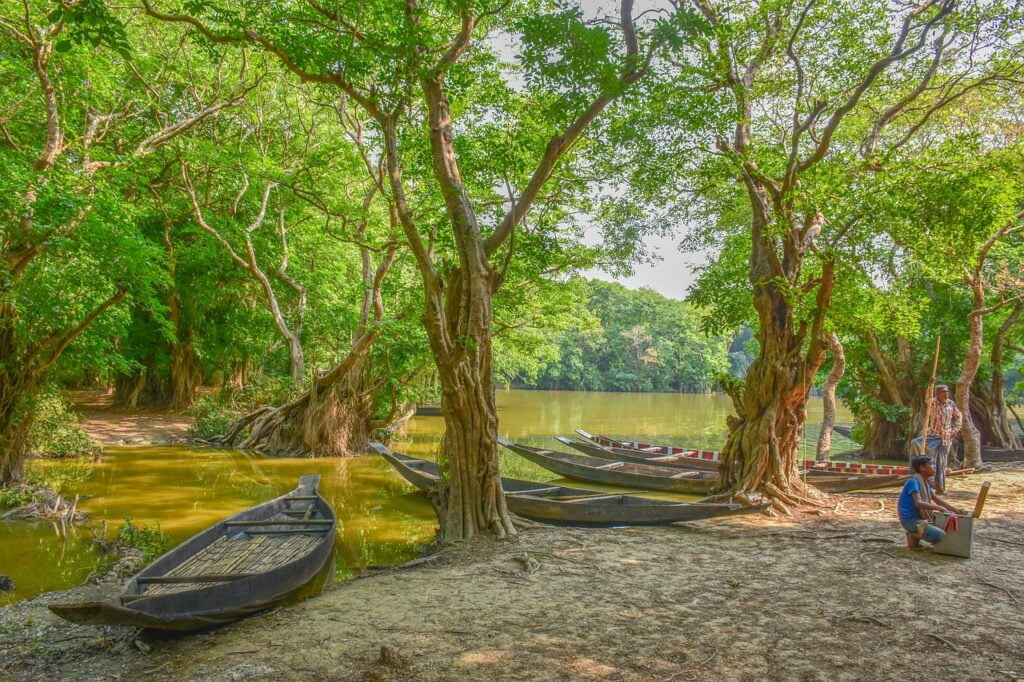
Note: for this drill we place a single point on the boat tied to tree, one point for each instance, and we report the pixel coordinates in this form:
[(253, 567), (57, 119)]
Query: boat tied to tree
[(236, 567), (715, 457), (573, 506), (653, 477)]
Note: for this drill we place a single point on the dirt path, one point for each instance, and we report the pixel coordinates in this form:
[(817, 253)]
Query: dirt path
[(831, 597), (110, 425)]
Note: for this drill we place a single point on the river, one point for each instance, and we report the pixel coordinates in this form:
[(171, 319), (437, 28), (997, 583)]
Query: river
[(381, 520)]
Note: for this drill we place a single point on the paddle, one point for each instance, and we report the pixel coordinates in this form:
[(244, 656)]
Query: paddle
[(930, 397)]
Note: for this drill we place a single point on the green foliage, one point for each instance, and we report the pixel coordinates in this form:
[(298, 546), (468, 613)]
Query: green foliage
[(14, 497), (213, 415), (625, 340), (54, 431), (210, 417), (150, 541)]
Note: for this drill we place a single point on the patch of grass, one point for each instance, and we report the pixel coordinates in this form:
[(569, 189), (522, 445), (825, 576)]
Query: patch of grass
[(150, 541)]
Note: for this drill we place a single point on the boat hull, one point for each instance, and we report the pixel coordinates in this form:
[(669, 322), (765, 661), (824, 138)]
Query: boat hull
[(228, 597), (539, 501)]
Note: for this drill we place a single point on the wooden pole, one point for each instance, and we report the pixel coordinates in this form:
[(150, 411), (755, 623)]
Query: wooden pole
[(930, 397), (982, 494)]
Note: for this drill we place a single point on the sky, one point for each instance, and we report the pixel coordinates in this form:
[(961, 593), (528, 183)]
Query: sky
[(671, 276)]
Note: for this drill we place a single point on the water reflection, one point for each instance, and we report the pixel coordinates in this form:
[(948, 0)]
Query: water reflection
[(186, 489)]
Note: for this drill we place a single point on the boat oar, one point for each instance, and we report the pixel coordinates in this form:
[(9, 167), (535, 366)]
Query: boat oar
[(930, 397)]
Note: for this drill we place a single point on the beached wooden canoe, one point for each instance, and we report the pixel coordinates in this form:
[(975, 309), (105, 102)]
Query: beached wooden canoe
[(625, 474), (233, 568), (710, 458), (572, 506), (652, 477), (676, 461)]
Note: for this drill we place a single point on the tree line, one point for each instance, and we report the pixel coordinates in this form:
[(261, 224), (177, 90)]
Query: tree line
[(634, 340), (382, 200)]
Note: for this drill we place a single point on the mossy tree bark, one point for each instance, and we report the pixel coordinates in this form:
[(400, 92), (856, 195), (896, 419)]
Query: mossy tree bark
[(1003, 434)]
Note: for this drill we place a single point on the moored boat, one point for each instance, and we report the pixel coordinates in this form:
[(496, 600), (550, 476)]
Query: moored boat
[(626, 474), (652, 477), (849, 468), (238, 566), (676, 461), (572, 506)]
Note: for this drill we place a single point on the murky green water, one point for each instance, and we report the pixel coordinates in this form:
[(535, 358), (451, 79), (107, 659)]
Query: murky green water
[(381, 520)]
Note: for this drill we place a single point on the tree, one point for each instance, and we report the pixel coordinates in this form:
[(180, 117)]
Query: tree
[(415, 69), (820, 97), (86, 120)]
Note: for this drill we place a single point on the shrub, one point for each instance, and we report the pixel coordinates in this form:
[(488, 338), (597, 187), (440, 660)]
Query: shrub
[(54, 432), (213, 416), (15, 497), (150, 541)]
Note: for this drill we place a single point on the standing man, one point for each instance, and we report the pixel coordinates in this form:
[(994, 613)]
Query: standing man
[(944, 423)]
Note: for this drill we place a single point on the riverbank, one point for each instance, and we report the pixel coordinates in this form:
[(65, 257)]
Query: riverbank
[(830, 595), (108, 424)]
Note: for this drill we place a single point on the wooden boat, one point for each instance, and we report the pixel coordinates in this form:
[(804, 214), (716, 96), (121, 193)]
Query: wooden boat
[(233, 568), (676, 461), (653, 477), (625, 474), (848, 468), (572, 506)]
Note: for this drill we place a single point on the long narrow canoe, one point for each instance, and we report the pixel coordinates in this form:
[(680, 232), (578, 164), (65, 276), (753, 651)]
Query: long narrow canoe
[(676, 461), (572, 506), (625, 474), (849, 468), (653, 477), (233, 568)]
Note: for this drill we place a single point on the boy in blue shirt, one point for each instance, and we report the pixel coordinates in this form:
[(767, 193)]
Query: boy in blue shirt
[(917, 502)]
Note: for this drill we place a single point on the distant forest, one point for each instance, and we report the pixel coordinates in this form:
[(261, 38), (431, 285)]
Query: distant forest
[(639, 340)]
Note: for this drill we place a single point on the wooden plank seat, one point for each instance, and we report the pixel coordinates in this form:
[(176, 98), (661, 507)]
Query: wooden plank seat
[(535, 491), (237, 556), (176, 579), (281, 522), (594, 498)]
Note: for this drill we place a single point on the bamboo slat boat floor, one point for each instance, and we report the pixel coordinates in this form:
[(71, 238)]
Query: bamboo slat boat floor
[(242, 554)]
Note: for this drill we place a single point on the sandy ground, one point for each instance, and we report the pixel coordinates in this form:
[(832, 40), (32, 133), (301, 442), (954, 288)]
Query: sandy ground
[(828, 596), (109, 425)]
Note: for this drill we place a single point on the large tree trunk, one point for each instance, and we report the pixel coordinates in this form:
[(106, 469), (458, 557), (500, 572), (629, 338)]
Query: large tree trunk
[(332, 418), (470, 499), (16, 391), (760, 454), (186, 376), (829, 397), (975, 325), (1003, 434), (15, 421)]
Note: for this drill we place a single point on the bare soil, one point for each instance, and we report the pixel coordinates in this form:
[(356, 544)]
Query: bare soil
[(830, 595), (108, 424)]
